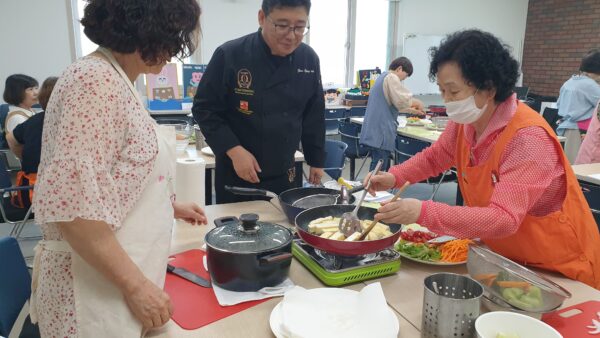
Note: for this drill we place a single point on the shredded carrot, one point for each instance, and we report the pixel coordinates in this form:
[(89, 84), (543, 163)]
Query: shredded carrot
[(456, 250)]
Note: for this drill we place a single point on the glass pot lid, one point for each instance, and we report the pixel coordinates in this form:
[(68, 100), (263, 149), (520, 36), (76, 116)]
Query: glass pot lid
[(248, 235)]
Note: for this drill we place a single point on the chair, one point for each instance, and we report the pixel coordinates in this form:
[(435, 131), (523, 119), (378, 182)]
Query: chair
[(551, 116), (522, 93), (334, 158), (407, 147), (350, 133), (18, 217), (592, 195), (15, 284), (332, 120), (357, 112)]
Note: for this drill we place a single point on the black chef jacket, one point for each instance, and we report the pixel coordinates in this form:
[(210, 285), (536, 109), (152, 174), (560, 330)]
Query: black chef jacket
[(265, 103)]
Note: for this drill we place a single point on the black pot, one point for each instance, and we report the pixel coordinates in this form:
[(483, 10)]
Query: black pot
[(248, 255)]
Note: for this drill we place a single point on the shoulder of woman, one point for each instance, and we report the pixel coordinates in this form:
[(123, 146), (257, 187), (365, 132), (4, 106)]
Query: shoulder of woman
[(92, 72)]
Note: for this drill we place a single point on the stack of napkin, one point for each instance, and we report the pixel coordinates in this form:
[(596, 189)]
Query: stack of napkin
[(333, 312)]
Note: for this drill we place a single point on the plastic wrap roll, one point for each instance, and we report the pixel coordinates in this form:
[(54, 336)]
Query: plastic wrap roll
[(189, 185)]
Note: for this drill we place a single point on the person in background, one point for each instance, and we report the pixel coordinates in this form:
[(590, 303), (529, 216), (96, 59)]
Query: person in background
[(521, 195), (261, 95), (104, 196), (387, 97), (26, 143), (21, 93), (589, 152), (576, 102)]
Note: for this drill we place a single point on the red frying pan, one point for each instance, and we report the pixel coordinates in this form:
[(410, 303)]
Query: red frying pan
[(343, 248)]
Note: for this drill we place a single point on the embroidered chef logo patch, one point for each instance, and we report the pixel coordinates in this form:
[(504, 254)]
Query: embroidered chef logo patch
[(244, 81), (244, 78), (244, 105)]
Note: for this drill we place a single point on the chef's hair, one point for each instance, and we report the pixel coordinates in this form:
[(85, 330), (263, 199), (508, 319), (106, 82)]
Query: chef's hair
[(156, 29), (591, 62), (403, 62), (485, 62), (269, 5)]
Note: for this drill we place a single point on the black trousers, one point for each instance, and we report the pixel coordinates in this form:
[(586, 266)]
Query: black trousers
[(225, 175)]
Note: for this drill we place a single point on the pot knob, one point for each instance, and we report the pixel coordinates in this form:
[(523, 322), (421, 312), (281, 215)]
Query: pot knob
[(249, 222)]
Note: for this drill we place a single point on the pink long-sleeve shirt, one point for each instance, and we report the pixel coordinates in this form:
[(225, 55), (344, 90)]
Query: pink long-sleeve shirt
[(532, 178)]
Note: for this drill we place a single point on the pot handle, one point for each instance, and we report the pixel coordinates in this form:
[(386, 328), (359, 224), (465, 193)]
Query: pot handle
[(221, 221), (250, 191), (274, 258)]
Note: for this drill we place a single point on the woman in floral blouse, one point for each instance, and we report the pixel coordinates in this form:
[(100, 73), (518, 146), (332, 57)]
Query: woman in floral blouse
[(104, 195)]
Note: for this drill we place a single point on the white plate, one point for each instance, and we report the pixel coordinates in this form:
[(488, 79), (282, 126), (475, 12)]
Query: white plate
[(380, 196), (429, 262), (275, 320), (207, 151)]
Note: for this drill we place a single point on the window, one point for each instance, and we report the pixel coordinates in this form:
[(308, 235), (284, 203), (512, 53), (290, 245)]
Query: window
[(341, 51), (328, 35), (371, 40)]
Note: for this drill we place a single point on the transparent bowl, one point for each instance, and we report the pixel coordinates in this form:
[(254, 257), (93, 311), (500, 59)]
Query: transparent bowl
[(440, 122), (182, 134), (513, 283)]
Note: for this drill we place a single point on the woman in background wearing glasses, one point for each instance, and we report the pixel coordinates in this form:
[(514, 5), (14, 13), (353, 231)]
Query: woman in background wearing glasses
[(260, 96)]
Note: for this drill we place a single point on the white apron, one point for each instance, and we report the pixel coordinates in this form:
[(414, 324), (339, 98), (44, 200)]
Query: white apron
[(145, 235)]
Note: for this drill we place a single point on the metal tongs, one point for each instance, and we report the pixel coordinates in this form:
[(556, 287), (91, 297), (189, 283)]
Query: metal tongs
[(349, 222)]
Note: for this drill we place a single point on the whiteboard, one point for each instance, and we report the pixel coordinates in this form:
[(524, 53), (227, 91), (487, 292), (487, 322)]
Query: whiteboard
[(416, 48)]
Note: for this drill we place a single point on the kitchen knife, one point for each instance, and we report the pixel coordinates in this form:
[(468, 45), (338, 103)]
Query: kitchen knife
[(183, 273)]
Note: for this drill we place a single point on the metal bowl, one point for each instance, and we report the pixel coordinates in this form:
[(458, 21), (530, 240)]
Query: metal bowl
[(483, 263)]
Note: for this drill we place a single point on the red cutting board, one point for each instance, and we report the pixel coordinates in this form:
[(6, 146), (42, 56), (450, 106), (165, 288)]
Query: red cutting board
[(576, 325), (195, 306)]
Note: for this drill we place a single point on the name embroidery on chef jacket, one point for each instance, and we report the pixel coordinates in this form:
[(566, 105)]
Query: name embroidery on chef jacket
[(306, 71), (244, 82)]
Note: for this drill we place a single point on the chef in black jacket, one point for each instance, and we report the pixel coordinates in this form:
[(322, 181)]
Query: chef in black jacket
[(260, 96)]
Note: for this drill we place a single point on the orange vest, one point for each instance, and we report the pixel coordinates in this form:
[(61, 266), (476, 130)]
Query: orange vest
[(566, 241), (17, 199)]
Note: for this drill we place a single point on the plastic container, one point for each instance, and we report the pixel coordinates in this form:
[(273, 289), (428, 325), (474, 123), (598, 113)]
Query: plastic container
[(497, 274)]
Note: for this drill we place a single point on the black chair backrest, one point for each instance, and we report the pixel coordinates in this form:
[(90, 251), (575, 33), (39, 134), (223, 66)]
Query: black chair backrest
[(551, 116), (334, 157), (5, 181), (331, 114), (350, 134), (521, 92)]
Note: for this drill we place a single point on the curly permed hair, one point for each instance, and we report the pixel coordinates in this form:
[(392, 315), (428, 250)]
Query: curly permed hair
[(158, 29), (485, 62)]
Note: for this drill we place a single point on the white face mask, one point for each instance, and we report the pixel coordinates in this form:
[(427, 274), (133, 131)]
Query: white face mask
[(464, 111)]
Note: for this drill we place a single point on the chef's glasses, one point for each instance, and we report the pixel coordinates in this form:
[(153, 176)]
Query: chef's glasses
[(284, 29)]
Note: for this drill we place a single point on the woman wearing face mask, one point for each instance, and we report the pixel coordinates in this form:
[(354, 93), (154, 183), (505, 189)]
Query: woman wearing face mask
[(521, 196)]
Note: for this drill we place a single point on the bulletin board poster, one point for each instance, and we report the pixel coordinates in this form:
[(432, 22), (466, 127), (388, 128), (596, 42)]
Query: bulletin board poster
[(367, 77), (163, 86), (192, 74)]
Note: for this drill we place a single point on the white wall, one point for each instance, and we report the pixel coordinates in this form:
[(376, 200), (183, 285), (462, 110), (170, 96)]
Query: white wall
[(35, 38), (506, 19), (224, 20)]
